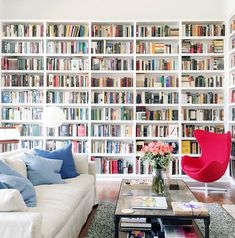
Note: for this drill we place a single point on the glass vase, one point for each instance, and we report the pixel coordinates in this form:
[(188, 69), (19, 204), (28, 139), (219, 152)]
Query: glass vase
[(158, 185)]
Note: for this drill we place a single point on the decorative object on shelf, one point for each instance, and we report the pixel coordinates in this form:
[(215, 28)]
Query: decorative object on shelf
[(159, 155), (53, 117)]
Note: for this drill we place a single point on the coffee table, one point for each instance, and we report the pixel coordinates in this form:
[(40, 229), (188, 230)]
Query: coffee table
[(127, 193)]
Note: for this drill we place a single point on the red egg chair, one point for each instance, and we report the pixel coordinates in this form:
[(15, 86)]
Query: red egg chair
[(214, 159)]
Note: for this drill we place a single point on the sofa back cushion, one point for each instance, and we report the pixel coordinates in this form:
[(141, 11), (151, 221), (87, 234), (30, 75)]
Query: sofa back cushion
[(81, 163), (68, 169), (43, 171), (12, 179), (11, 200)]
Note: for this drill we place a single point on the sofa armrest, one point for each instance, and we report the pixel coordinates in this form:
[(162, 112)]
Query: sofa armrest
[(20, 224), (92, 171)]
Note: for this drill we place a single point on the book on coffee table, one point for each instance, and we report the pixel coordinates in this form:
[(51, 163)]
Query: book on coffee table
[(189, 208), (149, 202)]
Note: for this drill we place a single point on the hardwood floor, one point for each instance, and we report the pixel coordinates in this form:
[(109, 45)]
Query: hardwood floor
[(108, 191)]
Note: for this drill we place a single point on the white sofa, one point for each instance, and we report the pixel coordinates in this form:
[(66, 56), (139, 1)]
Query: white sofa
[(62, 209)]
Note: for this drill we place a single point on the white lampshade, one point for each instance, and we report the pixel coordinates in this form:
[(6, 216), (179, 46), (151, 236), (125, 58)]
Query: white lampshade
[(53, 117), (9, 134)]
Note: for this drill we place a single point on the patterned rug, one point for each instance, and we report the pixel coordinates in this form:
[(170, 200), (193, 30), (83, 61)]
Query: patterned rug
[(222, 224)]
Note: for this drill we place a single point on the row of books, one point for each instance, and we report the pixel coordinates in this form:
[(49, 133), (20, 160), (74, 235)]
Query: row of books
[(233, 114), (202, 98), (163, 81), (109, 130), (112, 82), (216, 63), (202, 81), (216, 46), (77, 146), (31, 130), (188, 129), (22, 47), (109, 47), (157, 98), (143, 130), (157, 30), (23, 80), (112, 147), (21, 113), (111, 64), (232, 168), (112, 114), (144, 114), (232, 130), (67, 30), (22, 63), (203, 114), (233, 149), (203, 29), (76, 114), (106, 165), (79, 130), (190, 147), (74, 64), (67, 47), (112, 30), (63, 80), (26, 96), (23, 30), (156, 48), (156, 64), (67, 97), (112, 97), (30, 144)]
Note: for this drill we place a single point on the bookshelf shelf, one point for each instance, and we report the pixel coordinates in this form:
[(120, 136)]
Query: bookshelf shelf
[(123, 81)]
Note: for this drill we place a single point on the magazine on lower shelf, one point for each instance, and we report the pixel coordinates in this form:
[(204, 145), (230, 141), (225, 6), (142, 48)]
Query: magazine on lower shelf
[(136, 234), (149, 202), (183, 231)]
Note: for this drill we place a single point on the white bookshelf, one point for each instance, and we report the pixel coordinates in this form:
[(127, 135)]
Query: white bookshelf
[(132, 78)]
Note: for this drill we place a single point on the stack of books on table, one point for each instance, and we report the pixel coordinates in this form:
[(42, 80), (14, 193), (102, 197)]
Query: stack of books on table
[(135, 223)]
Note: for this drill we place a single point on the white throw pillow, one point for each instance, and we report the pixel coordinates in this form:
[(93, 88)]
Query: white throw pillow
[(15, 160), (11, 200)]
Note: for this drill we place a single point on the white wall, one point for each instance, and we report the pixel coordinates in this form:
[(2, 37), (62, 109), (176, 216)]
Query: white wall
[(229, 7), (112, 9)]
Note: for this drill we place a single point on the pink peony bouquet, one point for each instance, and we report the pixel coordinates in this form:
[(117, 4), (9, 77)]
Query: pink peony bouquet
[(158, 154)]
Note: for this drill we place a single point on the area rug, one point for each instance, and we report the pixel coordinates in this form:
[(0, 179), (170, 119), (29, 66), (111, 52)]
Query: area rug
[(222, 224)]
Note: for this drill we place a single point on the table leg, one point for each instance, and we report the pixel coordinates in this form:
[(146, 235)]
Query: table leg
[(207, 224), (116, 221)]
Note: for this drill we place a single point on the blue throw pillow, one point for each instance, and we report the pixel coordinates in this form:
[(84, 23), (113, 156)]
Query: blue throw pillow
[(12, 179), (65, 154), (43, 171)]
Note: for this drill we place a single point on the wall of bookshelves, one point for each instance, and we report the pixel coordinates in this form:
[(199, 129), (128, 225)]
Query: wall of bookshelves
[(120, 84), (231, 71)]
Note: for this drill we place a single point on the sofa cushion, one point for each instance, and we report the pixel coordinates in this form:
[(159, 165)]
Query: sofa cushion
[(11, 200), (15, 160), (12, 179), (43, 171), (65, 154), (57, 202), (81, 163)]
